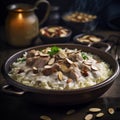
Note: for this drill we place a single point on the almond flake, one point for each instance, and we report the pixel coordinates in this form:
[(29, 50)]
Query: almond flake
[(111, 111), (94, 67), (94, 109), (101, 114), (60, 75), (62, 55), (64, 68), (52, 30), (42, 31), (43, 54), (71, 111), (47, 66), (45, 117), (89, 117), (51, 61)]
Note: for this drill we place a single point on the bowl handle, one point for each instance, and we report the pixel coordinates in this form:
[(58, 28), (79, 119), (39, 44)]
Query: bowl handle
[(12, 90), (101, 45)]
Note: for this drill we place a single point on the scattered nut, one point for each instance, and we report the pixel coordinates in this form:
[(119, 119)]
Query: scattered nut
[(94, 109), (71, 111), (101, 114), (88, 117), (111, 111), (45, 117)]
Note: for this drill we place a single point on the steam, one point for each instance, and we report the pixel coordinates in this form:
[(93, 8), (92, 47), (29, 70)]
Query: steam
[(90, 6)]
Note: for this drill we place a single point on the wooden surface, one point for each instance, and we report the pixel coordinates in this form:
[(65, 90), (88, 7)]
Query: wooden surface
[(14, 107)]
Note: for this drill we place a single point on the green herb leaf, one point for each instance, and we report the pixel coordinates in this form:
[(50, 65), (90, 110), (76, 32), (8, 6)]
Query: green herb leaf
[(54, 50), (21, 59), (84, 56)]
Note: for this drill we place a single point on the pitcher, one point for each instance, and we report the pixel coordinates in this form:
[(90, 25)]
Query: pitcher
[(22, 24)]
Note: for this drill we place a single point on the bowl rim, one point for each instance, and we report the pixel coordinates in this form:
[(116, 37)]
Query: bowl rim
[(51, 91)]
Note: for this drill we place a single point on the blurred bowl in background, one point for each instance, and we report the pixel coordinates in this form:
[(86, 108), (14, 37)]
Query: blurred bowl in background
[(80, 22), (55, 34), (88, 38)]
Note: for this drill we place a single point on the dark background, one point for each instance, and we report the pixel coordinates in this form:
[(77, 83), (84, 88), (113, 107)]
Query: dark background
[(108, 10)]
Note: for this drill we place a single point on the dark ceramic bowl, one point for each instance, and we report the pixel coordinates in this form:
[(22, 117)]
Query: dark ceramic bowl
[(79, 27), (63, 97), (101, 44), (75, 38), (55, 39)]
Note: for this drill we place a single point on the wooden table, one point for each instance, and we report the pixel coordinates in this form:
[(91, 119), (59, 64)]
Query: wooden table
[(14, 107)]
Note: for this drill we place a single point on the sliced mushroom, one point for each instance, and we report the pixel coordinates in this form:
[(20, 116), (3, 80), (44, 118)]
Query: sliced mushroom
[(69, 61)]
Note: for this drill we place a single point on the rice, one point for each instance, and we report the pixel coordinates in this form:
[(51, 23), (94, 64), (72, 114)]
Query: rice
[(78, 69)]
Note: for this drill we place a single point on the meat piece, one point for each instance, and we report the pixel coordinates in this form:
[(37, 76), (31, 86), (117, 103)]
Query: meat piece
[(37, 61), (84, 71), (51, 70), (30, 61), (41, 62), (31, 53), (75, 73), (72, 57)]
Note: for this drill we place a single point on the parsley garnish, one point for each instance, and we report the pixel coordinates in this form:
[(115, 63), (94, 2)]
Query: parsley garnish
[(54, 50), (84, 56), (21, 59)]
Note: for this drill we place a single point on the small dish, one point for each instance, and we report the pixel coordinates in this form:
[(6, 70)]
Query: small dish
[(88, 38), (55, 34), (80, 22), (92, 40)]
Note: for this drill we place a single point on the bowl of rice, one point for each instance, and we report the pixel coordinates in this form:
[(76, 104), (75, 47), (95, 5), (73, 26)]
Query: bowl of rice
[(61, 74)]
